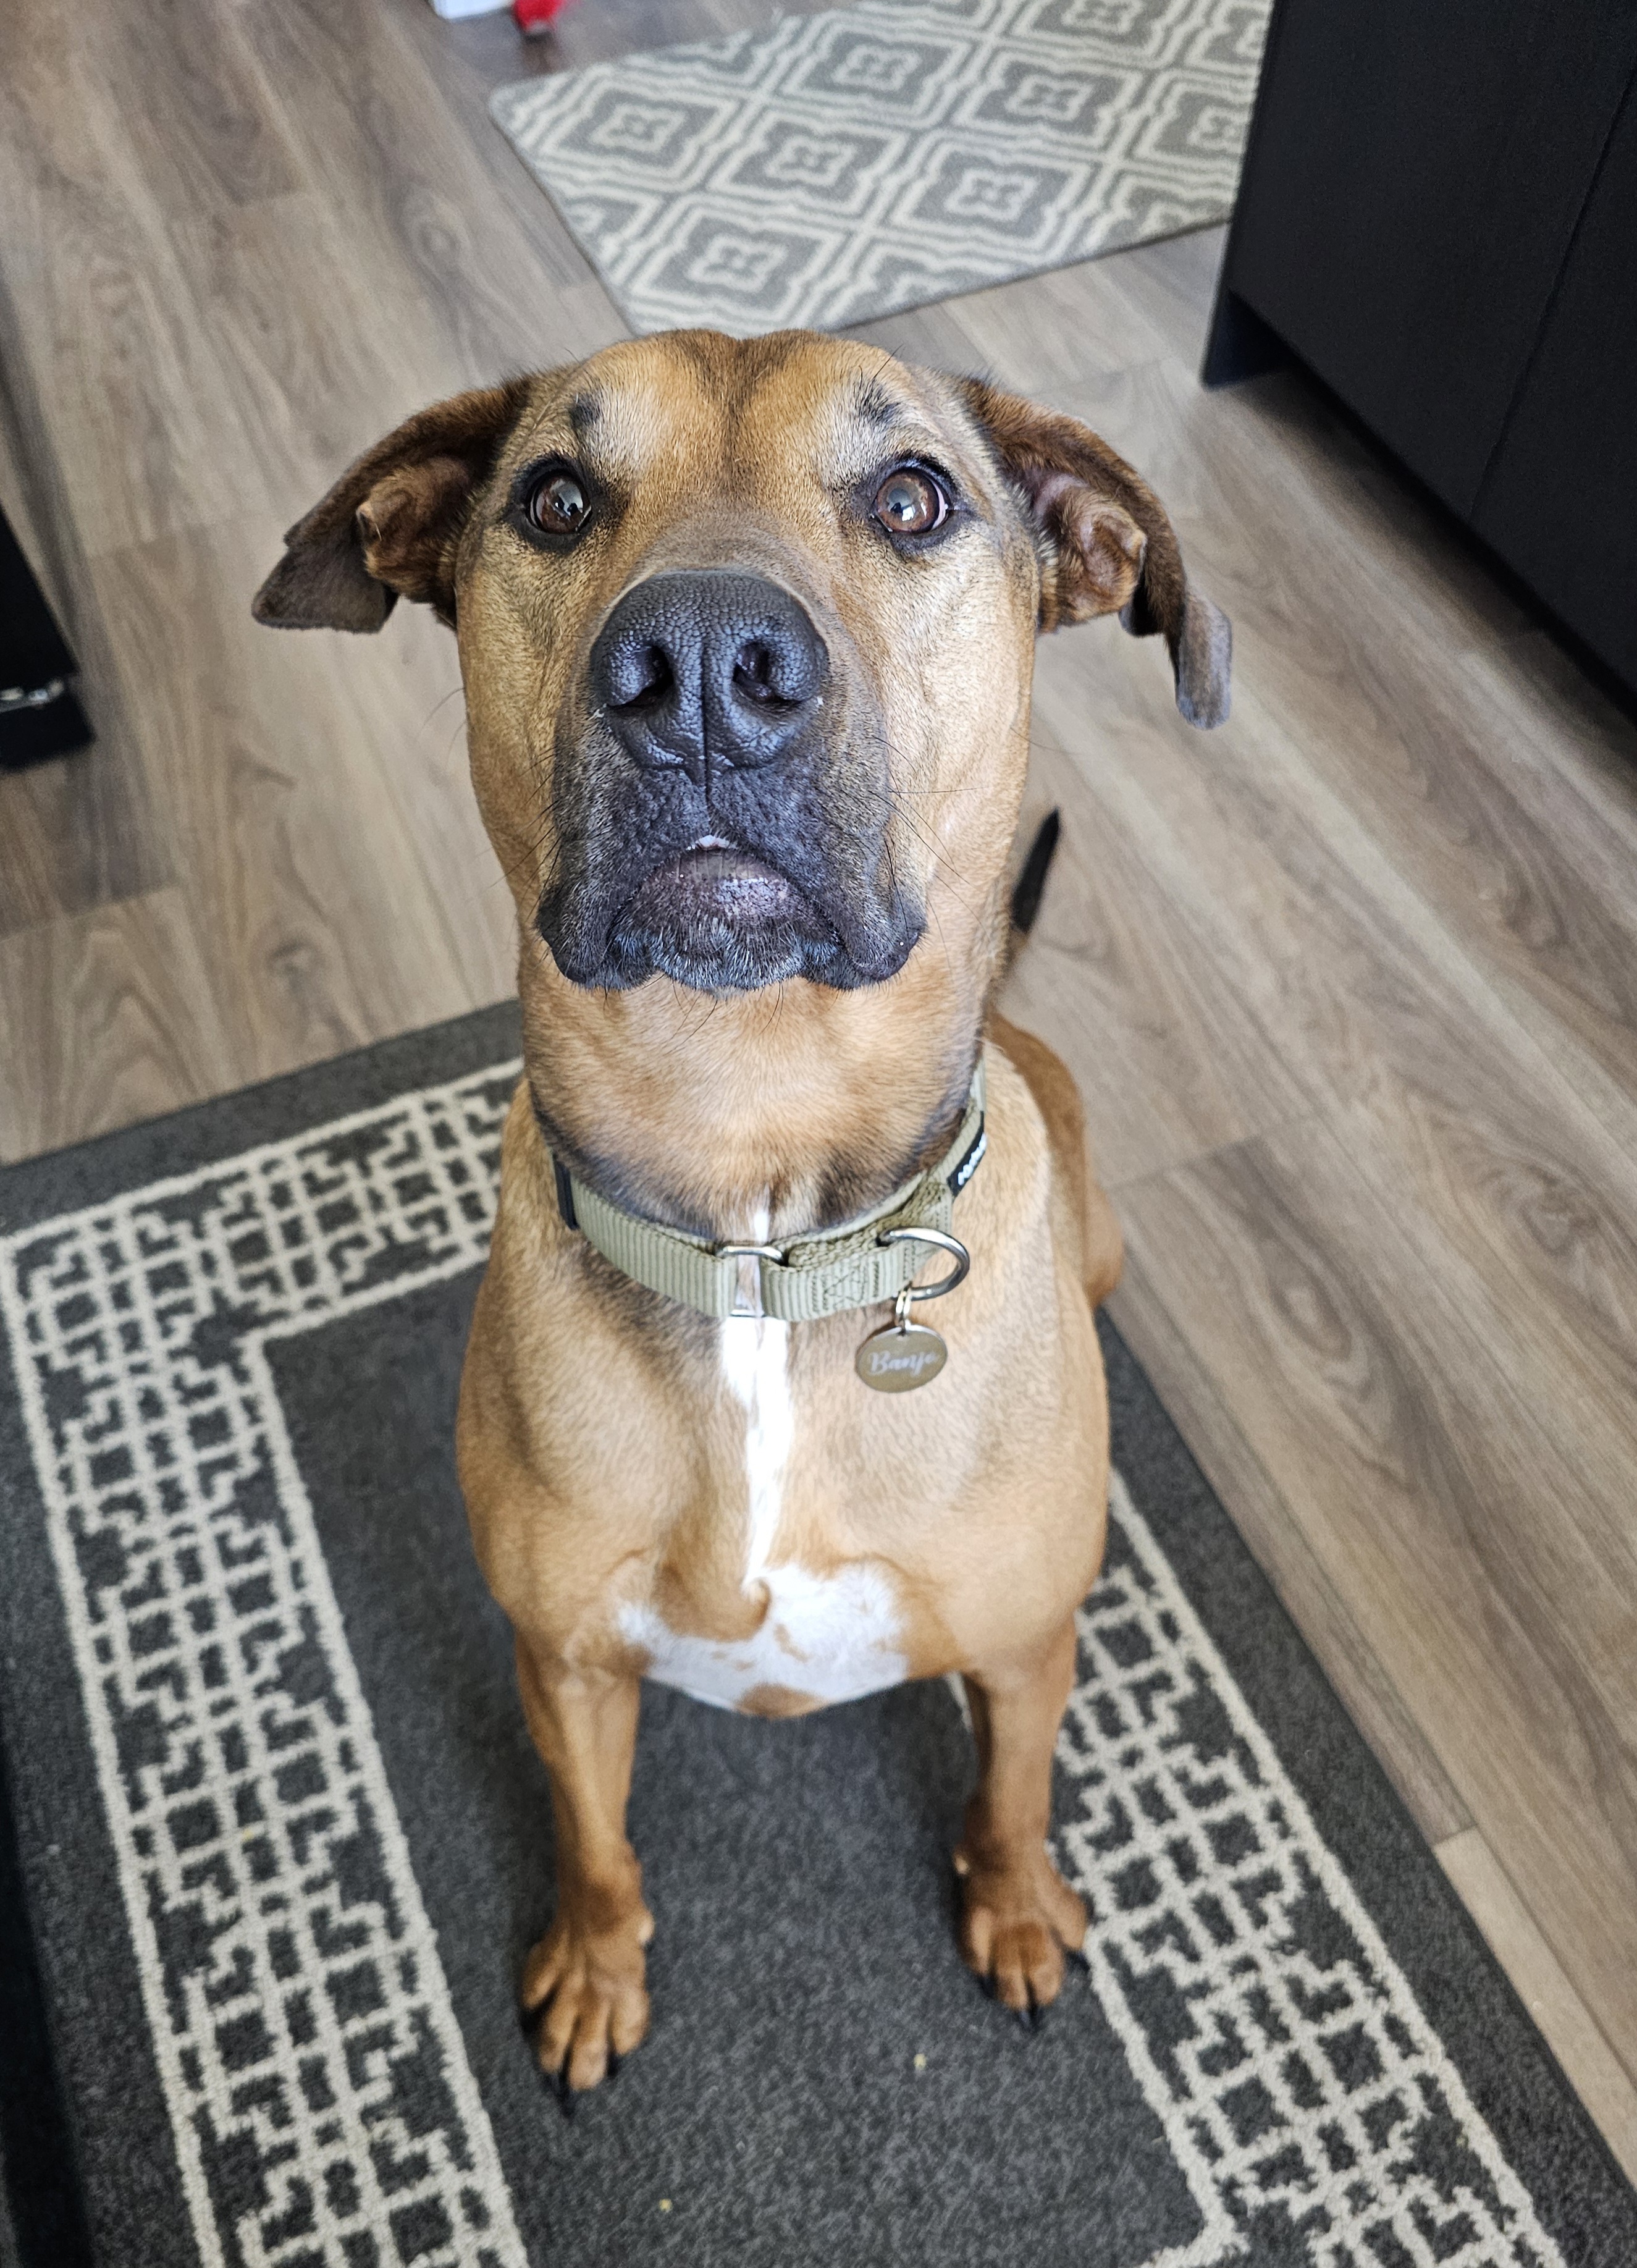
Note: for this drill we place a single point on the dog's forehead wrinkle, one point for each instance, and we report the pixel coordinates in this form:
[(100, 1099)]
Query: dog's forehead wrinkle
[(794, 462), (632, 413)]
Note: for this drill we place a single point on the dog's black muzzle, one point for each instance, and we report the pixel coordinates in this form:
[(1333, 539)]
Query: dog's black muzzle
[(721, 817)]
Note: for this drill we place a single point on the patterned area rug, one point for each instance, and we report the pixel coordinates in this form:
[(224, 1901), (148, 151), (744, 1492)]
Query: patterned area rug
[(283, 1841), (832, 168)]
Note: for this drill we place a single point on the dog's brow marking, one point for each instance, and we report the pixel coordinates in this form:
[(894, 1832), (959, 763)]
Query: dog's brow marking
[(873, 402)]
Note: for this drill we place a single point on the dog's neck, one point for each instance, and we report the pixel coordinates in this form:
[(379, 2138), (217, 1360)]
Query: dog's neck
[(756, 1114)]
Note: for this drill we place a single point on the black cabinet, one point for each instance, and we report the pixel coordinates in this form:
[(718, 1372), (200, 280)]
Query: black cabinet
[(1439, 215), (1560, 502), (40, 713)]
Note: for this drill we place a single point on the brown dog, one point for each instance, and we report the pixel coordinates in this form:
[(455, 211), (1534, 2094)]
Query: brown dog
[(746, 634)]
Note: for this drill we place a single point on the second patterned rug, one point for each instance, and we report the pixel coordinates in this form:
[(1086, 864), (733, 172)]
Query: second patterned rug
[(829, 169)]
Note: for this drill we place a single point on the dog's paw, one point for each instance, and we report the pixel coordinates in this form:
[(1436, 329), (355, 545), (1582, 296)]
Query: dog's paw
[(1018, 1920), (584, 1998)]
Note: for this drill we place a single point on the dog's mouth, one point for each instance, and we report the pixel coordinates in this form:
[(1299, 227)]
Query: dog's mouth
[(716, 882), (751, 878), (723, 919)]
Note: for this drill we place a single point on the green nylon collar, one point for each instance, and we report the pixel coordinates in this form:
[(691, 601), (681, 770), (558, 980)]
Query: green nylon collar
[(823, 1274)]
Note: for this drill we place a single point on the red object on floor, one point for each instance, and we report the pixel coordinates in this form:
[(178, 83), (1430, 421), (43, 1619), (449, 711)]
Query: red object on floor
[(537, 15)]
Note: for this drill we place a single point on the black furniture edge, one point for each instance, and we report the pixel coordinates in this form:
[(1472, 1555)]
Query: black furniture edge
[(1434, 221), (40, 715)]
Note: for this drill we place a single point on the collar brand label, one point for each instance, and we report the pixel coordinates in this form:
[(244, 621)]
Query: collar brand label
[(971, 1162)]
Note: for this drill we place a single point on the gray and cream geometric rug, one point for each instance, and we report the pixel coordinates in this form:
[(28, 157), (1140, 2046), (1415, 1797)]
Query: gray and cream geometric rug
[(832, 168), (277, 1841)]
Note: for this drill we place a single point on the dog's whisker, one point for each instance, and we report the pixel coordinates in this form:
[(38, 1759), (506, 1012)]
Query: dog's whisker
[(443, 702)]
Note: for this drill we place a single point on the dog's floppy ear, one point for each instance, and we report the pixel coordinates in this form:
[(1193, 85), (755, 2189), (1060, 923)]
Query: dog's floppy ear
[(391, 525), (1109, 547)]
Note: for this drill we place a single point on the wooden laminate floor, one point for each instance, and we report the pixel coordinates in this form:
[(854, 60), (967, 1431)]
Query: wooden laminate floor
[(1350, 987)]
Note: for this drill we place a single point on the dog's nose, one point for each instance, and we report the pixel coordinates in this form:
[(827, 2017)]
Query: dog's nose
[(704, 669)]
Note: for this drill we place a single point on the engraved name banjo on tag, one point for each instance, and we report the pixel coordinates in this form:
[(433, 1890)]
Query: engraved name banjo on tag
[(903, 1354)]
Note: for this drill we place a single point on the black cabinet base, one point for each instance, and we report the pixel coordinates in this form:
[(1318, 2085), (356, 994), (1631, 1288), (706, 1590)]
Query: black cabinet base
[(1239, 344), (39, 713), (32, 733)]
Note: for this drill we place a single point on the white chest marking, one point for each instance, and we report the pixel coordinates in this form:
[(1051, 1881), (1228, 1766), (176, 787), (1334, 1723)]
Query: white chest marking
[(833, 1637), (756, 1359)]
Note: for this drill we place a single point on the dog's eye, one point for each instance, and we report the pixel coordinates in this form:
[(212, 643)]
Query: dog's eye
[(909, 502), (558, 502)]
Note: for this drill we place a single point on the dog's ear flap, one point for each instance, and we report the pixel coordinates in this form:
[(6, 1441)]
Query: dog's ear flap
[(1108, 548), (391, 524)]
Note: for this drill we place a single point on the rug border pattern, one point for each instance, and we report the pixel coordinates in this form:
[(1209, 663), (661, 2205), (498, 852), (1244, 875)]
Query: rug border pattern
[(196, 2081), (1381, 2005)]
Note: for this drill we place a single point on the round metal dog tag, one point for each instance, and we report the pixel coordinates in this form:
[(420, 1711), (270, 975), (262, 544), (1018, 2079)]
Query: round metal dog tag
[(899, 1357)]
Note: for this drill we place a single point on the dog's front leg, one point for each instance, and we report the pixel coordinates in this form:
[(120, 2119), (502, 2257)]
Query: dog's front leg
[(1018, 1916), (586, 1977)]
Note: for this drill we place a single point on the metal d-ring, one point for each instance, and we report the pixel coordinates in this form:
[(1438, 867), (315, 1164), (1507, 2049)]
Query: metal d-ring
[(911, 1292)]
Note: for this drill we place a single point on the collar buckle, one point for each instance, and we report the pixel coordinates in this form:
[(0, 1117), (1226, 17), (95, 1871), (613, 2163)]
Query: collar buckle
[(747, 1298)]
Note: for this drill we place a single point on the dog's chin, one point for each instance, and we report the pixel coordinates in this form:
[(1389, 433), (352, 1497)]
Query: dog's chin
[(724, 921)]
